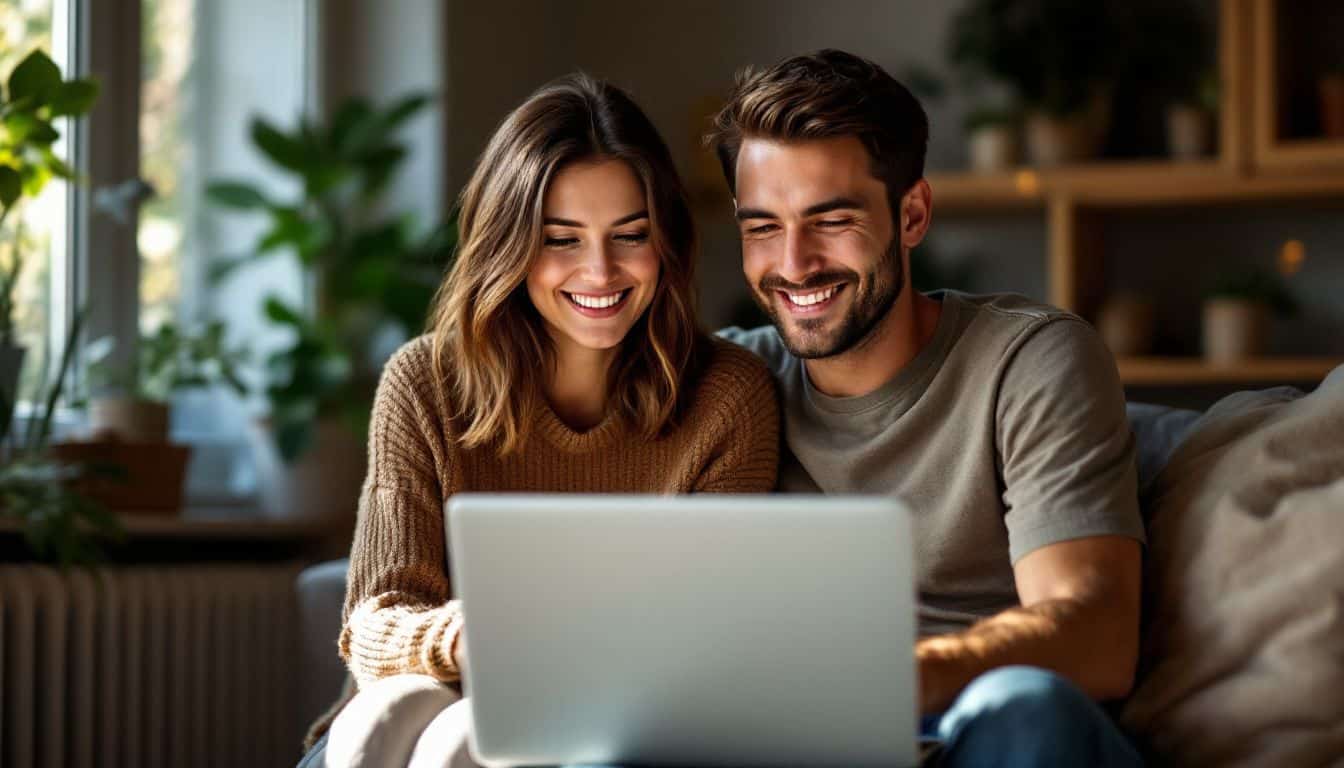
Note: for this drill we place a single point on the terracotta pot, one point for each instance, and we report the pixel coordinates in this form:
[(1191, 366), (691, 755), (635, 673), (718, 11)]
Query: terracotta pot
[(1234, 329), (1331, 90), (1126, 325), (151, 475), (993, 148), (128, 419), (323, 483), (1189, 132)]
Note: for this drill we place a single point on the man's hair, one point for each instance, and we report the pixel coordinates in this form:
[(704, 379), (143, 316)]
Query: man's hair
[(823, 95)]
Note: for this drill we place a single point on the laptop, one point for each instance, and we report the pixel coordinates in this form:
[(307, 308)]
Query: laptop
[(687, 630)]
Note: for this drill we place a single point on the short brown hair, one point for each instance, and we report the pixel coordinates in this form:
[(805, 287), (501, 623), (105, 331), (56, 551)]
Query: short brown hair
[(823, 95), (489, 340)]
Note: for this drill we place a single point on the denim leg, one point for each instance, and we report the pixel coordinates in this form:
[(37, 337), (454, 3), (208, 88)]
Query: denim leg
[(1024, 716)]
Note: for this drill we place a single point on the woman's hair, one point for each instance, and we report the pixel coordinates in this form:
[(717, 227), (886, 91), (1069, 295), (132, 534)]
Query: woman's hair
[(489, 342)]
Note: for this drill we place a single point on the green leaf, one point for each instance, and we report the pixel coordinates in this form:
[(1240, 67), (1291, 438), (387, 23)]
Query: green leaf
[(279, 312), (283, 149), (351, 127), (405, 108), (74, 98), (58, 166), (236, 194), (220, 269), (11, 185), (35, 78)]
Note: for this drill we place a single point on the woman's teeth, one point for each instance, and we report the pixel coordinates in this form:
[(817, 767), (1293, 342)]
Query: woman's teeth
[(808, 299), (597, 302)]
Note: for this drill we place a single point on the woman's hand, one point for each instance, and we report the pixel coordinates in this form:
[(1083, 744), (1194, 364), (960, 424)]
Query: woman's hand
[(458, 651)]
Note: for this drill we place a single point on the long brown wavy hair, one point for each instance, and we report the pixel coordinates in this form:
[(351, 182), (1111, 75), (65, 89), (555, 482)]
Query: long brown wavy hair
[(489, 341)]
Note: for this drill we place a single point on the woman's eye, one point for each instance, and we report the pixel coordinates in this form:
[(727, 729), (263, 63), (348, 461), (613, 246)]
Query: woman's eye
[(561, 242), (633, 238)]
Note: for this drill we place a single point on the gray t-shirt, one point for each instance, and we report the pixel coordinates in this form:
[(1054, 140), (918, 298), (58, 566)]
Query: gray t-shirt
[(1006, 433)]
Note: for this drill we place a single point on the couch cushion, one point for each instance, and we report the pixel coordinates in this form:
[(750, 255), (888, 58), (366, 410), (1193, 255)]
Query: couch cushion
[(1244, 586)]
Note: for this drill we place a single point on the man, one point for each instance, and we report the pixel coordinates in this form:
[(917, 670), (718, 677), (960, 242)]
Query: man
[(1000, 421)]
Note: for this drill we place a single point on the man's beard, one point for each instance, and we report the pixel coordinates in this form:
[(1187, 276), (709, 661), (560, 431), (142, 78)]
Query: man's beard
[(806, 338)]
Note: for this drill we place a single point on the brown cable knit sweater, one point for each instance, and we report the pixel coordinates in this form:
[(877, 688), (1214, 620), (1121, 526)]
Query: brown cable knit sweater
[(398, 617)]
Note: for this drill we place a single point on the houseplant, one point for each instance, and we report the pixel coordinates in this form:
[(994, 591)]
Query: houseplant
[(129, 414), (372, 275), (1056, 55), (59, 523), (34, 98), (1237, 312), (992, 139)]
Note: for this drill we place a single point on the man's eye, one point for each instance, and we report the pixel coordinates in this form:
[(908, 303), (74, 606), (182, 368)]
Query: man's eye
[(561, 242), (834, 222), (761, 229)]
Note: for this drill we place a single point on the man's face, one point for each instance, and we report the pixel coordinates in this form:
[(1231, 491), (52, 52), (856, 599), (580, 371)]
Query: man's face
[(820, 251)]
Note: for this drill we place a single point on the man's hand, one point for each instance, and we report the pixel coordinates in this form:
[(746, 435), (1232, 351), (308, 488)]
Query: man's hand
[(1079, 618)]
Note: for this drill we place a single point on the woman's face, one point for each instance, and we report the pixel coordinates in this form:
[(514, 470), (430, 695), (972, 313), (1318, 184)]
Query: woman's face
[(597, 269)]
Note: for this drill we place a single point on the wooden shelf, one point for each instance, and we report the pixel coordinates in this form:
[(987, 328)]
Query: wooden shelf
[(1122, 185), (1194, 370)]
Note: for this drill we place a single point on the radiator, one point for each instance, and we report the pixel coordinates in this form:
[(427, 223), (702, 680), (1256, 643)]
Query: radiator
[(148, 666)]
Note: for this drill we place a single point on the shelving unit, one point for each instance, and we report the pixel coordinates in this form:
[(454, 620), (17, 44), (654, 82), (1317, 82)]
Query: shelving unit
[(1254, 165)]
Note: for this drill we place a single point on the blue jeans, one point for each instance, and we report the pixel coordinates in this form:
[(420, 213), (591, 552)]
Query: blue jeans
[(1024, 716)]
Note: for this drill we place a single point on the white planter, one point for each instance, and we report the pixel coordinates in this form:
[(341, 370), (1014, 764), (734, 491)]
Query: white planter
[(1055, 141), (1234, 329), (323, 483), (128, 419), (993, 148), (1189, 132)]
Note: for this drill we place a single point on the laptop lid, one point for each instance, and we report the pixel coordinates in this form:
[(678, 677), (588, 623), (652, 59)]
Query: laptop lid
[(691, 630)]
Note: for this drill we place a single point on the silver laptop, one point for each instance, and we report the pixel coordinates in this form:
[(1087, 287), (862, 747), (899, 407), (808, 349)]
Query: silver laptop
[(693, 630)]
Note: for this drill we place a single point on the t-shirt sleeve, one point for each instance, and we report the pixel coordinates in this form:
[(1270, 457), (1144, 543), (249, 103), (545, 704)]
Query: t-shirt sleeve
[(1064, 442)]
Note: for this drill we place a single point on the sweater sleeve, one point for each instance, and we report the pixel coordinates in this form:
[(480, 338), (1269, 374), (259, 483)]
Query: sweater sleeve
[(398, 617), (746, 457)]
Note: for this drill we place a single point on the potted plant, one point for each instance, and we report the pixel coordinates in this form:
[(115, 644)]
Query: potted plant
[(1190, 122), (992, 139), (39, 489), (373, 276), (1057, 57), (35, 96), (1237, 312), (129, 414)]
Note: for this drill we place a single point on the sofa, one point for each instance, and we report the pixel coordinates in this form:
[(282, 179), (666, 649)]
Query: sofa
[(1196, 471)]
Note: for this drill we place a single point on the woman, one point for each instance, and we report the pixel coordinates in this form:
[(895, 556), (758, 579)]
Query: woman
[(562, 355)]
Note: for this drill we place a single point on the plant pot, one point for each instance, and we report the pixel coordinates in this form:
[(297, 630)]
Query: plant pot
[(1331, 91), (150, 476), (1126, 325), (993, 148), (128, 419), (1234, 329), (1055, 141), (1189, 132), (323, 483)]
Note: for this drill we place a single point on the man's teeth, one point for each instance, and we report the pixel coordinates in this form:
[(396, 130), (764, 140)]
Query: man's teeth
[(808, 299), (597, 302)]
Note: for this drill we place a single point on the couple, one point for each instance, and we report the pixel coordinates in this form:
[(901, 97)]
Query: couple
[(564, 356)]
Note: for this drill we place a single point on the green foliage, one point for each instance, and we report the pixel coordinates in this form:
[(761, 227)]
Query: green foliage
[(1259, 285), (171, 360), (59, 524), (35, 96), (371, 269)]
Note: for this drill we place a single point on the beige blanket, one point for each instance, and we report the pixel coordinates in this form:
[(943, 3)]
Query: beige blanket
[(1243, 647)]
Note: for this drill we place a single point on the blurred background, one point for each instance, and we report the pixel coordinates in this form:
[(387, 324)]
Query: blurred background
[(219, 217)]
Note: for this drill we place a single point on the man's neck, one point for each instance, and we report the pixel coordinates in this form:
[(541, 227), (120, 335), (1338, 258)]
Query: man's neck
[(892, 345)]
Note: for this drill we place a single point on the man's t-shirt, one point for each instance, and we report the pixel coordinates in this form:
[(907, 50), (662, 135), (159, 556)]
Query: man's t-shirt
[(1005, 434)]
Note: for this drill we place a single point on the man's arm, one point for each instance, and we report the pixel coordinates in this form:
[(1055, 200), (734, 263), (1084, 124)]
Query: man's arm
[(1079, 618)]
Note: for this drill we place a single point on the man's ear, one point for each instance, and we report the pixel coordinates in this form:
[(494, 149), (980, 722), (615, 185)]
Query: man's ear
[(916, 213)]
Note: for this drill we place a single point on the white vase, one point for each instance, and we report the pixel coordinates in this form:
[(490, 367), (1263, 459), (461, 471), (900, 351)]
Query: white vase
[(323, 483), (993, 148), (128, 419), (1189, 132), (1234, 329)]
